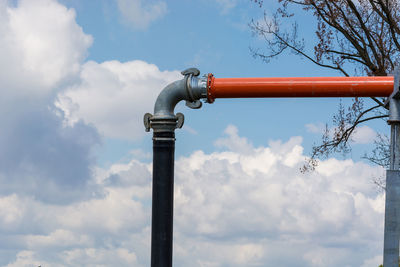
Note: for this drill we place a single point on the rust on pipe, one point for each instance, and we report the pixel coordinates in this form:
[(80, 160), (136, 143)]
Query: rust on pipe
[(381, 86)]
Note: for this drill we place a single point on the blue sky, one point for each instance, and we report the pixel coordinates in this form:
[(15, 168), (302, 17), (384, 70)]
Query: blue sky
[(213, 36), (75, 165)]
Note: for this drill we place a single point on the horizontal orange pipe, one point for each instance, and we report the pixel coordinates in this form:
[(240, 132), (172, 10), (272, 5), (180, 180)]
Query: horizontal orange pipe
[(299, 87)]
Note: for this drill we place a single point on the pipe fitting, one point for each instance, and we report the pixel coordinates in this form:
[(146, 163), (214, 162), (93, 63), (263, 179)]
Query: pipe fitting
[(191, 88)]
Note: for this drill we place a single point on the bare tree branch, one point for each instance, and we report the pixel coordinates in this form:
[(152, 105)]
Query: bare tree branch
[(362, 35)]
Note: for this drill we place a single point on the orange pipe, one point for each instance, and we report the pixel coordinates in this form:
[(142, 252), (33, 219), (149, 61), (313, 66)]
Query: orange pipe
[(299, 87)]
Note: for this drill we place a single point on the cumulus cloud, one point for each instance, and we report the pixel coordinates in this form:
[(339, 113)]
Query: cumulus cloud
[(258, 206), (44, 53), (364, 135), (241, 206), (42, 50), (140, 14), (114, 96), (231, 209), (47, 145), (107, 230), (233, 141)]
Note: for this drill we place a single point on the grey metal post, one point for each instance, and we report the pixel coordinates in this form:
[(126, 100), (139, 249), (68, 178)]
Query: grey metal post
[(164, 122), (392, 202)]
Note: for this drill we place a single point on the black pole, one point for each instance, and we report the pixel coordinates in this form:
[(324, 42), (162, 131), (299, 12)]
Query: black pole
[(164, 122), (163, 199)]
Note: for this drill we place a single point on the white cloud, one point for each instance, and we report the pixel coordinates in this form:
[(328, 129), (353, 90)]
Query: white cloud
[(10, 213), (364, 135), (100, 257), (140, 14), (106, 230), (27, 258), (260, 200), (42, 49), (233, 141), (243, 206), (45, 53), (77, 257), (114, 96), (231, 209)]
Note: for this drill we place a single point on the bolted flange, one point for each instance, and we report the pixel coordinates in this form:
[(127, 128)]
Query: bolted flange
[(160, 124)]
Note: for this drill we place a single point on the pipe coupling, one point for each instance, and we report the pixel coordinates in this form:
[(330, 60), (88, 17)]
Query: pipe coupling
[(160, 124)]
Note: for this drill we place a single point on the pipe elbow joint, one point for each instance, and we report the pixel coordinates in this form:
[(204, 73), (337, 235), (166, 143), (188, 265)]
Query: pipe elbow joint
[(169, 97), (191, 88)]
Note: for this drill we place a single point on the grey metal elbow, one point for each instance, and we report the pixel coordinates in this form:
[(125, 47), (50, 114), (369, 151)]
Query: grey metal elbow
[(168, 98), (191, 88)]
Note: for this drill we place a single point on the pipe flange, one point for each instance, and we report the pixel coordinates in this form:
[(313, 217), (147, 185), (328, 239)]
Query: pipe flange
[(163, 124), (210, 84), (147, 121)]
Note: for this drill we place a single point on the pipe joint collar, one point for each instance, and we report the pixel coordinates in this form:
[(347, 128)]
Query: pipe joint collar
[(160, 124)]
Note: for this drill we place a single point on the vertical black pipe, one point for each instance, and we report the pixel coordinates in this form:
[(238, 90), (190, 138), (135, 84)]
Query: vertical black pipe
[(163, 199)]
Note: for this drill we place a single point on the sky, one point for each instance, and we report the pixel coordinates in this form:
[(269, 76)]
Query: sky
[(75, 162)]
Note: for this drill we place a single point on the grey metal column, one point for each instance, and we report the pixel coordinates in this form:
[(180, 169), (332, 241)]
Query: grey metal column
[(392, 202), (164, 122)]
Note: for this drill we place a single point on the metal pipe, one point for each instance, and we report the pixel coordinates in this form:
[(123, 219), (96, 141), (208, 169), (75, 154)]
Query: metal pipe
[(392, 201), (164, 122), (162, 199), (299, 87), (392, 209), (394, 146), (192, 89)]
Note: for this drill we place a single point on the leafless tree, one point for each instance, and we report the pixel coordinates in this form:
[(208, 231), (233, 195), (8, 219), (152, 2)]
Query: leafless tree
[(353, 37)]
